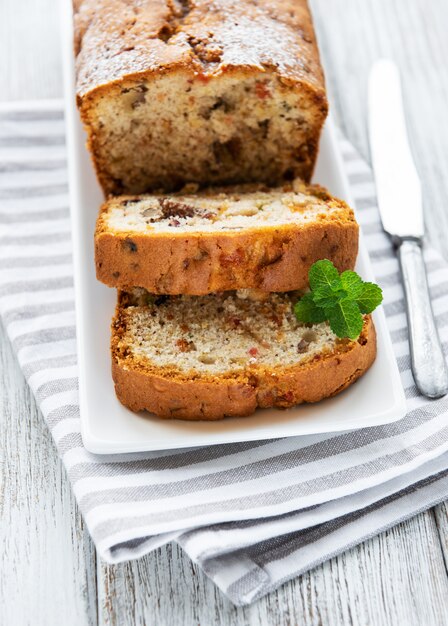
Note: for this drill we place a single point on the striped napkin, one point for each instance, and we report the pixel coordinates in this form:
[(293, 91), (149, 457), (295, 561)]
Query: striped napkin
[(252, 514)]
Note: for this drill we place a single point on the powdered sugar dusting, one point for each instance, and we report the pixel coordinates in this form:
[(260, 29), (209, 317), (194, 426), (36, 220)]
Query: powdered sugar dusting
[(114, 38)]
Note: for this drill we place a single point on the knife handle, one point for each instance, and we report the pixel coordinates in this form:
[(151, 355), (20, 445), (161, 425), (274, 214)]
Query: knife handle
[(427, 359)]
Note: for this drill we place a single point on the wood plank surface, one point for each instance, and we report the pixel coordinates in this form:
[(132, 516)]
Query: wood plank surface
[(397, 578), (47, 560), (49, 574)]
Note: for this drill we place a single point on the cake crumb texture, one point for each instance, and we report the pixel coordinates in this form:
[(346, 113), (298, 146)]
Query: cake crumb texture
[(218, 355)]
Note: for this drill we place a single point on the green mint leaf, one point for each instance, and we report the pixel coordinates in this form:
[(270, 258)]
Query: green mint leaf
[(345, 319), (328, 295), (306, 310), (370, 297), (352, 284), (322, 273), (342, 300)]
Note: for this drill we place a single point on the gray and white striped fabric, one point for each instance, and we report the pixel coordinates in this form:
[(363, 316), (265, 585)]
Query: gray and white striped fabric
[(251, 514)]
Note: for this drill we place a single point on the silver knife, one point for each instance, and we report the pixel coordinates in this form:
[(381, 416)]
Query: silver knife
[(400, 202)]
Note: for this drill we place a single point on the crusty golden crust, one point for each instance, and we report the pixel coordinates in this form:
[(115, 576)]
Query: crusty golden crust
[(173, 395), (271, 259)]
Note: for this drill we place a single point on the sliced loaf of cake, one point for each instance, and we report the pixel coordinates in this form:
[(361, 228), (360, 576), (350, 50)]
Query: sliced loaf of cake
[(208, 357), (215, 240)]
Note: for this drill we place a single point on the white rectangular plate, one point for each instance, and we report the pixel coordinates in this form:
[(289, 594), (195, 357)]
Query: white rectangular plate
[(107, 426)]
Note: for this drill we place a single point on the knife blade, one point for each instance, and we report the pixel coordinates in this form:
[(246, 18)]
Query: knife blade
[(399, 196), (398, 185)]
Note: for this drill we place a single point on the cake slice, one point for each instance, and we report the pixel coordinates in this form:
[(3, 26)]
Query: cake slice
[(249, 236), (208, 357), (174, 91)]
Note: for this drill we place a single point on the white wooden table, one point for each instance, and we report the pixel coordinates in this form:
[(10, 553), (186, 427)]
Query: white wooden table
[(49, 574)]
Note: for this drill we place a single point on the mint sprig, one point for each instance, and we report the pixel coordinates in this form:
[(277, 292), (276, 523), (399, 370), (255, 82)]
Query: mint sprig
[(307, 311), (340, 299)]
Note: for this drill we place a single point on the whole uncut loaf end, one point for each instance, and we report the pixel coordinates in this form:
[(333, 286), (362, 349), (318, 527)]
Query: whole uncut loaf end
[(224, 92)]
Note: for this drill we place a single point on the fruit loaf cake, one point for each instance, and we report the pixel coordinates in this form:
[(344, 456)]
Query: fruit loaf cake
[(247, 236), (208, 357), (175, 91)]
